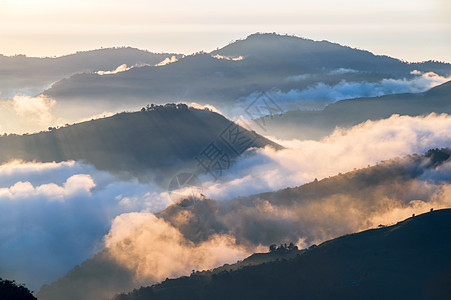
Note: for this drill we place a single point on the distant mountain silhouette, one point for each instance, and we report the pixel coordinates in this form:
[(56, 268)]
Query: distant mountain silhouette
[(409, 260), (268, 62), (320, 210), (163, 140), (347, 113), (22, 72)]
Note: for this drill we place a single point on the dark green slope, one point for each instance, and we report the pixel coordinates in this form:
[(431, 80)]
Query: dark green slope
[(347, 113), (162, 140), (409, 260)]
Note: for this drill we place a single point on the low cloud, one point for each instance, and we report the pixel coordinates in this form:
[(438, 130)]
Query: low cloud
[(166, 61), (27, 114), (342, 71), (362, 145), (154, 249), (75, 185), (389, 192), (104, 114), (211, 233), (206, 106), (54, 215), (119, 69), (319, 95), (38, 109), (237, 58)]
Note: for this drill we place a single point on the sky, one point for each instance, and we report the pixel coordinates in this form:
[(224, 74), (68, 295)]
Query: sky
[(414, 30)]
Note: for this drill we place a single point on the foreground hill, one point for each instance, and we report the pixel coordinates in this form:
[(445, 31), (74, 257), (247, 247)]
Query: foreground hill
[(347, 113), (10, 290), (163, 139), (409, 260), (310, 213), (24, 73), (261, 62)]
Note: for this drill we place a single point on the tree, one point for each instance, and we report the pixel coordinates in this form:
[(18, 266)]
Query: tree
[(292, 247), (273, 248), (10, 290)]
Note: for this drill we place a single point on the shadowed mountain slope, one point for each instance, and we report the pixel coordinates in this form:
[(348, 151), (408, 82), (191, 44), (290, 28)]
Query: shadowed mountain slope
[(409, 260), (313, 212), (347, 113), (163, 140), (22, 72), (266, 62)]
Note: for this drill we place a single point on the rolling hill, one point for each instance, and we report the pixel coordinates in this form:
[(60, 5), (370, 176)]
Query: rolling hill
[(409, 260), (20, 73), (227, 76), (347, 113), (160, 141)]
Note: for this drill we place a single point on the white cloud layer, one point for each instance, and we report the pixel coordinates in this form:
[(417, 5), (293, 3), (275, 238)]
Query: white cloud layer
[(344, 150), (138, 240), (27, 114), (119, 69), (167, 61), (218, 56), (321, 94), (54, 215), (154, 249)]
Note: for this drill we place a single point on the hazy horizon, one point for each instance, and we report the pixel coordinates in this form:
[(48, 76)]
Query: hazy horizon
[(169, 51), (410, 30)]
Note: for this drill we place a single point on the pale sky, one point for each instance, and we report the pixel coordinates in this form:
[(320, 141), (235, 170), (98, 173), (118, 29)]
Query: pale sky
[(414, 30)]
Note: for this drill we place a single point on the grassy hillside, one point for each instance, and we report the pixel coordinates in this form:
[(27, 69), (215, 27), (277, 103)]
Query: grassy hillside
[(164, 139), (409, 260)]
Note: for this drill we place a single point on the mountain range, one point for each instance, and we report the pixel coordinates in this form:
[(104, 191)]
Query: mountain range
[(299, 124), (408, 260), (288, 90), (233, 74), (158, 142), (315, 212), (20, 73)]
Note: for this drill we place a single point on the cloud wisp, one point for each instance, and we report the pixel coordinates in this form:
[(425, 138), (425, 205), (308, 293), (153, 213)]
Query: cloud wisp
[(368, 143), (319, 95), (27, 112)]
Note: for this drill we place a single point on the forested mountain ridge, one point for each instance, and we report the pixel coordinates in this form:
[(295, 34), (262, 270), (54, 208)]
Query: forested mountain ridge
[(313, 212), (409, 260), (161, 139), (227, 76), (347, 113)]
